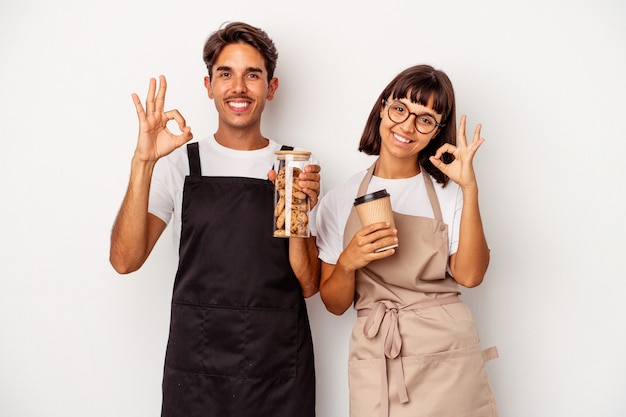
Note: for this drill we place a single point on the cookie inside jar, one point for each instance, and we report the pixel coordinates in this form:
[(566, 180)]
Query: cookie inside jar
[(291, 204)]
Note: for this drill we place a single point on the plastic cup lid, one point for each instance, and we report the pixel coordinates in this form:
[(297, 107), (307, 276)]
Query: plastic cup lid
[(371, 196)]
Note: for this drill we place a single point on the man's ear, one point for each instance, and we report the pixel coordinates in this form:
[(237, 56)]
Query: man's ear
[(207, 85), (271, 88)]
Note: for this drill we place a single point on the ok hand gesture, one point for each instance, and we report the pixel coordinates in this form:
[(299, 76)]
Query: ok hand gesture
[(155, 139), (461, 170)]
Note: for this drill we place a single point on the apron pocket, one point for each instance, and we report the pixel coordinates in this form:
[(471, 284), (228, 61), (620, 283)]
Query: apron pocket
[(270, 340), (450, 383), (364, 378), (234, 342)]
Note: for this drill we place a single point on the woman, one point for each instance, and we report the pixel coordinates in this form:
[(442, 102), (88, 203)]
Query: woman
[(414, 349)]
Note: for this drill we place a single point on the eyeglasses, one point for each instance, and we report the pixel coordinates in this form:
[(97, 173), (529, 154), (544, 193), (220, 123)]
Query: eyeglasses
[(399, 113)]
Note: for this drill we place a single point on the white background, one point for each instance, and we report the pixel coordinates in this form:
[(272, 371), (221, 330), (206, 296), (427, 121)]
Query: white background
[(545, 78)]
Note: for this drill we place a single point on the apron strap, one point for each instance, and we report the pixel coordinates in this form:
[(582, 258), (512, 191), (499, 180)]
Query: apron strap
[(193, 154), (490, 353), (383, 317), (432, 196), (430, 189), (366, 180)]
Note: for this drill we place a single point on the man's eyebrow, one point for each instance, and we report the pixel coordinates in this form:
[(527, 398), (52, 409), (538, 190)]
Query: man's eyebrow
[(229, 69)]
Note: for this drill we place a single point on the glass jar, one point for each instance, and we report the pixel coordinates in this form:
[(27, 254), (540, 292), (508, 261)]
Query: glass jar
[(291, 204)]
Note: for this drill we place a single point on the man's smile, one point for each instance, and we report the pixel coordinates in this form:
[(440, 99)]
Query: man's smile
[(238, 105)]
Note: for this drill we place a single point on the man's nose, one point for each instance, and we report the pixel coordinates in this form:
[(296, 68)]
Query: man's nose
[(239, 85)]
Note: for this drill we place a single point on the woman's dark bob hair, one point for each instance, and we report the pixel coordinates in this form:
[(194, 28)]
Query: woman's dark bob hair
[(419, 83)]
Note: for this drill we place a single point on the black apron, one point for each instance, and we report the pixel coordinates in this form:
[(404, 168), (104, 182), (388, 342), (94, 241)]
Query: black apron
[(240, 343)]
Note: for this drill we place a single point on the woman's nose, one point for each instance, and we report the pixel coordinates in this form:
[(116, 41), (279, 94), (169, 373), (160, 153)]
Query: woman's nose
[(409, 124)]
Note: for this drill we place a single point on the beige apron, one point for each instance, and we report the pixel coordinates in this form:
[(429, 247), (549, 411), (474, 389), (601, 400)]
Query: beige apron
[(414, 349)]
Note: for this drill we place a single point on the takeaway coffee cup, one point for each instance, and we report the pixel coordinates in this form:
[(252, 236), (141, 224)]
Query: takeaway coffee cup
[(291, 204), (373, 208)]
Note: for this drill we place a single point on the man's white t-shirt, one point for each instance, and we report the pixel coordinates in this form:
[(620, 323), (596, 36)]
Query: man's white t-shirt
[(168, 178), (408, 196)]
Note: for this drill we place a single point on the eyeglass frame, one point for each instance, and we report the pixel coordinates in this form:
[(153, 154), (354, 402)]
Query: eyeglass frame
[(437, 124)]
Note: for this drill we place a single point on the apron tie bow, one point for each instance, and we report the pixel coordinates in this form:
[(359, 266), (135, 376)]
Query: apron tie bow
[(383, 318)]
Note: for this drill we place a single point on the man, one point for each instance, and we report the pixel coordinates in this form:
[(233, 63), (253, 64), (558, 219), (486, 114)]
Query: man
[(240, 343)]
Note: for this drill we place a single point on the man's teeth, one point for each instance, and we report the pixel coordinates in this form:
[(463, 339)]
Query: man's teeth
[(238, 104)]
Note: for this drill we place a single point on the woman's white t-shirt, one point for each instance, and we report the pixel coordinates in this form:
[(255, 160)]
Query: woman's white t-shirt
[(408, 196)]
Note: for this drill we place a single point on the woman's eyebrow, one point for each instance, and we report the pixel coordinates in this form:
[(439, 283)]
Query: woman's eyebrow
[(434, 116)]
